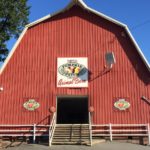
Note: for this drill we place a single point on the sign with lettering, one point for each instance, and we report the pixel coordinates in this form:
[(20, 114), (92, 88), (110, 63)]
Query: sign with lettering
[(72, 72)]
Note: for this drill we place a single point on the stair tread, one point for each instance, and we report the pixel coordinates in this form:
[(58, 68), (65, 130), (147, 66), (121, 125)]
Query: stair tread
[(68, 135), (71, 134), (62, 133), (75, 140), (70, 143), (70, 138)]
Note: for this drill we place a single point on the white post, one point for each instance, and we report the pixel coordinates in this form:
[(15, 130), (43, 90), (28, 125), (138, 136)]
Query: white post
[(49, 135), (34, 133), (52, 129), (110, 131), (148, 131), (0, 142), (90, 128)]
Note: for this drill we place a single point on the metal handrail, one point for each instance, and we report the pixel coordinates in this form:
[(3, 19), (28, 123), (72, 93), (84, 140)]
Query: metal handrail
[(52, 128)]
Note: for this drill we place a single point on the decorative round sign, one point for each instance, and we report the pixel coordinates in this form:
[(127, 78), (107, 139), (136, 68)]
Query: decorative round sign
[(122, 104), (31, 105)]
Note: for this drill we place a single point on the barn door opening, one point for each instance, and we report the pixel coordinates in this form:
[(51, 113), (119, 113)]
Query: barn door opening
[(72, 110)]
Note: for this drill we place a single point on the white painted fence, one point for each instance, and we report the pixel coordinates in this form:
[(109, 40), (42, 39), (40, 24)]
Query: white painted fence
[(121, 130), (99, 130)]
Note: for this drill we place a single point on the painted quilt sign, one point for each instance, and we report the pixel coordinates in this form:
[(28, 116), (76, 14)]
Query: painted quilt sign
[(122, 104), (72, 72), (31, 105)]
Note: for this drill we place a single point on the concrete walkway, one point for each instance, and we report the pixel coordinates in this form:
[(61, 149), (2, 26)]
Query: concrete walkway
[(102, 146)]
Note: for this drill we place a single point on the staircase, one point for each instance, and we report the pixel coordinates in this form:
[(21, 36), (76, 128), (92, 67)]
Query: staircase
[(71, 134)]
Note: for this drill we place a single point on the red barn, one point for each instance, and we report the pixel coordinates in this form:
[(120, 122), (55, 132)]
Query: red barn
[(74, 61)]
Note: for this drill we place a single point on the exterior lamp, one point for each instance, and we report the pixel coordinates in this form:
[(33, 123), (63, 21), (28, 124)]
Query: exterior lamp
[(91, 109), (1, 89), (110, 60), (52, 109)]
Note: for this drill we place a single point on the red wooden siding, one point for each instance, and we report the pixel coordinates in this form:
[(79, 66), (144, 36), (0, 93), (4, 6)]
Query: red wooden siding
[(32, 71)]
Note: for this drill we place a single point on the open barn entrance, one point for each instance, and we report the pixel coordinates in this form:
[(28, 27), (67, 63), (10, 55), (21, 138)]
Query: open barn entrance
[(72, 110)]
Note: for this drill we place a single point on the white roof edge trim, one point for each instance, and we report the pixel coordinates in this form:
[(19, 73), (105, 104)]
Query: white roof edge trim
[(49, 15), (138, 48), (85, 7), (38, 21), (82, 3), (13, 50), (106, 17)]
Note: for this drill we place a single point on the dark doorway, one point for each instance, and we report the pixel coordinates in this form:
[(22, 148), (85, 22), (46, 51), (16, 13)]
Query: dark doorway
[(72, 110)]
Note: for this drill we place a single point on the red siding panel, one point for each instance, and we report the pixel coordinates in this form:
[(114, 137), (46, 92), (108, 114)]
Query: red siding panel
[(32, 71)]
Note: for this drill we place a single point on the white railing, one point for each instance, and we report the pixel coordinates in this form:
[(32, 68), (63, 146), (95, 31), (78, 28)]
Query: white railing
[(52, 129), (24, 131), (96, 130), (90, 128), (27, 130), (121, 130)]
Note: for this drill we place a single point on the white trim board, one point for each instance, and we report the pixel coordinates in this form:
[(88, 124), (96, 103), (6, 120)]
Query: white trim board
[(13, 50), (84, 6)]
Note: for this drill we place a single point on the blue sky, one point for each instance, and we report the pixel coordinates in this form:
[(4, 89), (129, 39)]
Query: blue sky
[(134, 13)]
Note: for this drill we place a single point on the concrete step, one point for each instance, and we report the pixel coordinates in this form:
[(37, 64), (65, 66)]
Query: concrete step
[(70, 137), (71, 134), (73, 129), (71, 143), (67, 135), (70, 140)]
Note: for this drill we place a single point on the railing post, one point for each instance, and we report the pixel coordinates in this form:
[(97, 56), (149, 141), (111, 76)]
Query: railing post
[(52, 129), (49, 135), (34, 133), (110, 131), (148, 131), (90, 128), (0, 142)]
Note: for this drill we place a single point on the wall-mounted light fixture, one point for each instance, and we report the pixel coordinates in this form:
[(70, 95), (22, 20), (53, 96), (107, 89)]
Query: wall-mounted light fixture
[(1, 88), (110, 60), (145, 99)]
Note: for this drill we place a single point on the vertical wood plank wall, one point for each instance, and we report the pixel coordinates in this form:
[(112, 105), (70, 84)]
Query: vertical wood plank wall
[(32, 71)]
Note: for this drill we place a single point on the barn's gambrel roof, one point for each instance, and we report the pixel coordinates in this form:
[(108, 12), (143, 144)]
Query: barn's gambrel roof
[(84, 6)]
